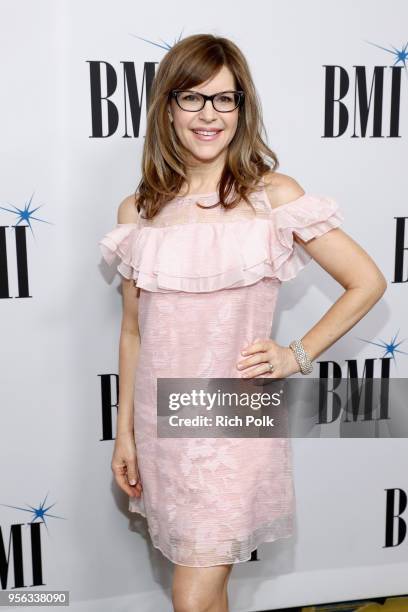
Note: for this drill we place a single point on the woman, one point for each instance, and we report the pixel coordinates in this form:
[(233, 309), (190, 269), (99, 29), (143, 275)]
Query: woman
[(204, 245)]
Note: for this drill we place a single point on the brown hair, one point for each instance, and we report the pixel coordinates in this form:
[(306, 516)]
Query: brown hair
[(192, 61)]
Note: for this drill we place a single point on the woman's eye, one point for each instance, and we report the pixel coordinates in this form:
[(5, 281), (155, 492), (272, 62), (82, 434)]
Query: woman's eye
[(190, 97)]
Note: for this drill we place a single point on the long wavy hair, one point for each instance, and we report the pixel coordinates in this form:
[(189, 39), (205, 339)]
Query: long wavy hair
[(190, 62)]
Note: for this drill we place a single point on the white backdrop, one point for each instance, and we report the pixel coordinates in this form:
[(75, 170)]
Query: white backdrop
[(60, 339)]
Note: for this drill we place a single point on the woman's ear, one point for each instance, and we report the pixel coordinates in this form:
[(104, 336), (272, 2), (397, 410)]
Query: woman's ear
[(170, 115)]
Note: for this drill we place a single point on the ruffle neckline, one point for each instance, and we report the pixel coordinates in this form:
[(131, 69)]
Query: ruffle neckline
[(210, 256)]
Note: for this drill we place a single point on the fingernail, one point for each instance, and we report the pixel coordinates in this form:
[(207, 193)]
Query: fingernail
[(244, 352), (132, 482)]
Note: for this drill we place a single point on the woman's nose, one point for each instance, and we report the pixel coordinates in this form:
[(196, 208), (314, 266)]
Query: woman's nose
[(208, 111)]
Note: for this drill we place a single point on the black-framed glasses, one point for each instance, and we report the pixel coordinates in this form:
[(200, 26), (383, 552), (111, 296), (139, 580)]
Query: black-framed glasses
[(192, 101)]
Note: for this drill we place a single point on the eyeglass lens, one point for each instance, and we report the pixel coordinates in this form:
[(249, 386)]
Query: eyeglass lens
[(223, 102)]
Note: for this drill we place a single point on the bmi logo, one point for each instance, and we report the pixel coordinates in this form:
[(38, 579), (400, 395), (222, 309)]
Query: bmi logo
[(20, 547), (365, 101), (18, 234)]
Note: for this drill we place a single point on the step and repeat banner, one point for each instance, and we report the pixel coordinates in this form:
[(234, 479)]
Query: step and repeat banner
[(75, 81)]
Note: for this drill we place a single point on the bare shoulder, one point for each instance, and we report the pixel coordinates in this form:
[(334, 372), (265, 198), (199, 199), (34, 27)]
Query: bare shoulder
[(281, 188), (127, 211)]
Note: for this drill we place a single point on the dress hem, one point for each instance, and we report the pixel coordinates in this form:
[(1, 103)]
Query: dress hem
[(236, 561)]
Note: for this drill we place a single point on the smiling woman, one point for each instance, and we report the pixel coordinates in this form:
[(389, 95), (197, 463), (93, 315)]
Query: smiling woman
[(203, 249), (204, 110)]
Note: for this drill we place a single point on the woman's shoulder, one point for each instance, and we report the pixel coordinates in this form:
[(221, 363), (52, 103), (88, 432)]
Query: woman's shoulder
[(127, 210), (281, 188)]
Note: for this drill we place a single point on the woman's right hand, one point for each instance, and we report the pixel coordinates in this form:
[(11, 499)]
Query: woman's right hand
[(124, 464)]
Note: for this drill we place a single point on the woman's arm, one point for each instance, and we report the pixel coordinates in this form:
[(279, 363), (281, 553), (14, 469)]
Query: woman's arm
[(348, 263), (129, 342), (364, 284)]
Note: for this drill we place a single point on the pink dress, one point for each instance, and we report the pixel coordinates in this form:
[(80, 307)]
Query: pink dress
[(209, 280)]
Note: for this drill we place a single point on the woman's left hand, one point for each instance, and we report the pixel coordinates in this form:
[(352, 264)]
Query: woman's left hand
[(257, 356)]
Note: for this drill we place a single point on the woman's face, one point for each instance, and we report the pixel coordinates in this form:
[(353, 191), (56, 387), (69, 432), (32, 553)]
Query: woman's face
[(221, 125)]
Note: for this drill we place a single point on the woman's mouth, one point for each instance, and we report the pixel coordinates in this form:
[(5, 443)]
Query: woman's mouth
[(206, 135)]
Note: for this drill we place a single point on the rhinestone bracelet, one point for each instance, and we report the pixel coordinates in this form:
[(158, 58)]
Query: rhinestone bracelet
[(303, 359)]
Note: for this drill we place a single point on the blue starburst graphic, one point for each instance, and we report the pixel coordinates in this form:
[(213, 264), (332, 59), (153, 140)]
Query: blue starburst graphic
[(165, 45), (401, 55), (40, 512), (25, 214), (390, 348)]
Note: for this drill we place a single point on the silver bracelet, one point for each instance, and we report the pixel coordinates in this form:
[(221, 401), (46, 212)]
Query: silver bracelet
[(303, 359)]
